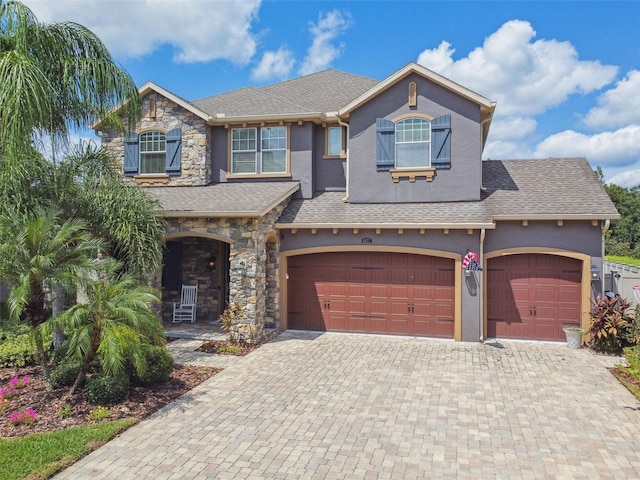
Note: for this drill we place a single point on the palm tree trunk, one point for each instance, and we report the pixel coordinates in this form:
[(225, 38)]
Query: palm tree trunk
[(57, 308), (44, 362), (86, 361)]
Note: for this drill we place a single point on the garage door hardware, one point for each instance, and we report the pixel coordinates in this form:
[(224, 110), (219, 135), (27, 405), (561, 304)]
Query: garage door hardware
[(532, 311), (367, 316)]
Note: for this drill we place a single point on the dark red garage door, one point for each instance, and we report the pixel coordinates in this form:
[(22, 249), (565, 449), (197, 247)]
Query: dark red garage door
[(532, 296), (372, 292)]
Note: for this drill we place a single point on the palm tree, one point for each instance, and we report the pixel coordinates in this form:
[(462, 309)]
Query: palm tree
[(40, 253), (91, 186), (55, 77), (112, 323)]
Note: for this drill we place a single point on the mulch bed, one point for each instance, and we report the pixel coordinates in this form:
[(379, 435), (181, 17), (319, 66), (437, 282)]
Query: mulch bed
[(140, 402), (239, 348)]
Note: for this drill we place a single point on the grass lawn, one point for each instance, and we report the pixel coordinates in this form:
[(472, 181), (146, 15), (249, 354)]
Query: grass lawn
[(626, 260), (41, 455)]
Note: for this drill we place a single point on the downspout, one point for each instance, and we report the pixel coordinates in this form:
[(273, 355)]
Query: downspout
[(481, 260), (482, 124), (605, 229), (346, 172)]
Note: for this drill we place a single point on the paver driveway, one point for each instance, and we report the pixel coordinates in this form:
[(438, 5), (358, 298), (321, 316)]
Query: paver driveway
[(349, 407)]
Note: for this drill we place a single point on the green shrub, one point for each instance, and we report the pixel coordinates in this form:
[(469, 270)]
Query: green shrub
[(104, 390), (611, 326), (632, 355), (65, 374), (17, 348), (159, 366)]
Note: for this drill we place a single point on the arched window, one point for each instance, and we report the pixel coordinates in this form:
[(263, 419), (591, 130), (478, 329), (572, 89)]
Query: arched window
[(153, 151), (413, 143)]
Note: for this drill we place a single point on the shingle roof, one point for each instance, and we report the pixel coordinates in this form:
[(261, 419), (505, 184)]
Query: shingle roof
[(324, 91), (223, 199), (329, 209), (561, 189)]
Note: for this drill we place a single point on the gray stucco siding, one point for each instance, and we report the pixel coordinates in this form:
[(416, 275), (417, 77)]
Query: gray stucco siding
[(301, 151), (573, 236), (219, 154), (462, 182), (328, 173)]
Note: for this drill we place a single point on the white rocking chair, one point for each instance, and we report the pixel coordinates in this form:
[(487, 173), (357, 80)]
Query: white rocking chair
[(186, 309)]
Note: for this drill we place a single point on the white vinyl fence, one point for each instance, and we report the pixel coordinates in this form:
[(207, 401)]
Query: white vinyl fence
[(620, 278)]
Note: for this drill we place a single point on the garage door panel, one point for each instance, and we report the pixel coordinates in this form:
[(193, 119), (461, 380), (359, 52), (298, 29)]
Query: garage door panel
[(532, 296), (388, 293)]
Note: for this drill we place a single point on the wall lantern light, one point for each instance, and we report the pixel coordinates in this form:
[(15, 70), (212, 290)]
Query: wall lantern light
[(595, 273), (241, 268), (212, 262)]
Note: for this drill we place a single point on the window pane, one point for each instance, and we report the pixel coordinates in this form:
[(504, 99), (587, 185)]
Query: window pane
[(243, 139), (334, 141), (274, 161), (152, 162), (412, 155), (274, 138), (243, 162)]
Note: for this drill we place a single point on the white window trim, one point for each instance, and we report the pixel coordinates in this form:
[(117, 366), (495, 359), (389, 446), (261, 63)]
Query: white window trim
[(428, 142), (140, 152), (258, 154)]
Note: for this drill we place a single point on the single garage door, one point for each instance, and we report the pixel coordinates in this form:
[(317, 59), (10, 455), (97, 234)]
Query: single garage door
[(372, 292), (532, 296)]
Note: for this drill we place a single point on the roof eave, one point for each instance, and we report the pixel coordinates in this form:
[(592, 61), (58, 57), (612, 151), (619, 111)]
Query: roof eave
[(556, 217), (387, 226), (222, 119), (149, 87)]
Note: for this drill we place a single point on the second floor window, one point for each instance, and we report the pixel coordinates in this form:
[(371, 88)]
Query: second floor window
[(413, 142), (259, 150), (153, 151), (413, 139)]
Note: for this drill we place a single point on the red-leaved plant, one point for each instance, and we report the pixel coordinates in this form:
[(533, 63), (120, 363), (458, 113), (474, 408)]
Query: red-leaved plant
[(610, 324)]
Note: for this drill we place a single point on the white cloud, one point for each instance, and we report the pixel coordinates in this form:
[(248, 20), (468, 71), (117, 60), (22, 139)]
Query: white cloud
[(504, 150), (199, 31), (276, 64), (626, 178), (618, 106), (323, 49), (513, 128), (524, 76), (617, 148)]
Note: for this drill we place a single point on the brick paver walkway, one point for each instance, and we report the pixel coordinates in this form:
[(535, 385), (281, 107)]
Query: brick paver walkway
[(365, 407)]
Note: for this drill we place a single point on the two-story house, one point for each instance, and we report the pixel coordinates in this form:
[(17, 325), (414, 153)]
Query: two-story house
[(334, 202)]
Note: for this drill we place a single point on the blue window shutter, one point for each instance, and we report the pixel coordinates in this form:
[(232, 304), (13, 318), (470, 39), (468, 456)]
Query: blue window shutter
[(174, 151), (386, 144), (131, 153), (441, 142)]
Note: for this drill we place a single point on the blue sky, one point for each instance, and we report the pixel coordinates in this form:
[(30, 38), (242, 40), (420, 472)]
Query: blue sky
[(565, 75)]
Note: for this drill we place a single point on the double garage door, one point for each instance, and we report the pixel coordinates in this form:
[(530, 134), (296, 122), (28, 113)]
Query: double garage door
[(372, 292), (532, 296)]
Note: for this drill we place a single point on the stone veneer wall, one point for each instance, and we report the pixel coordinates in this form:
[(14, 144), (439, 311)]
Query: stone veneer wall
[(255, 286), (196, 150)]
